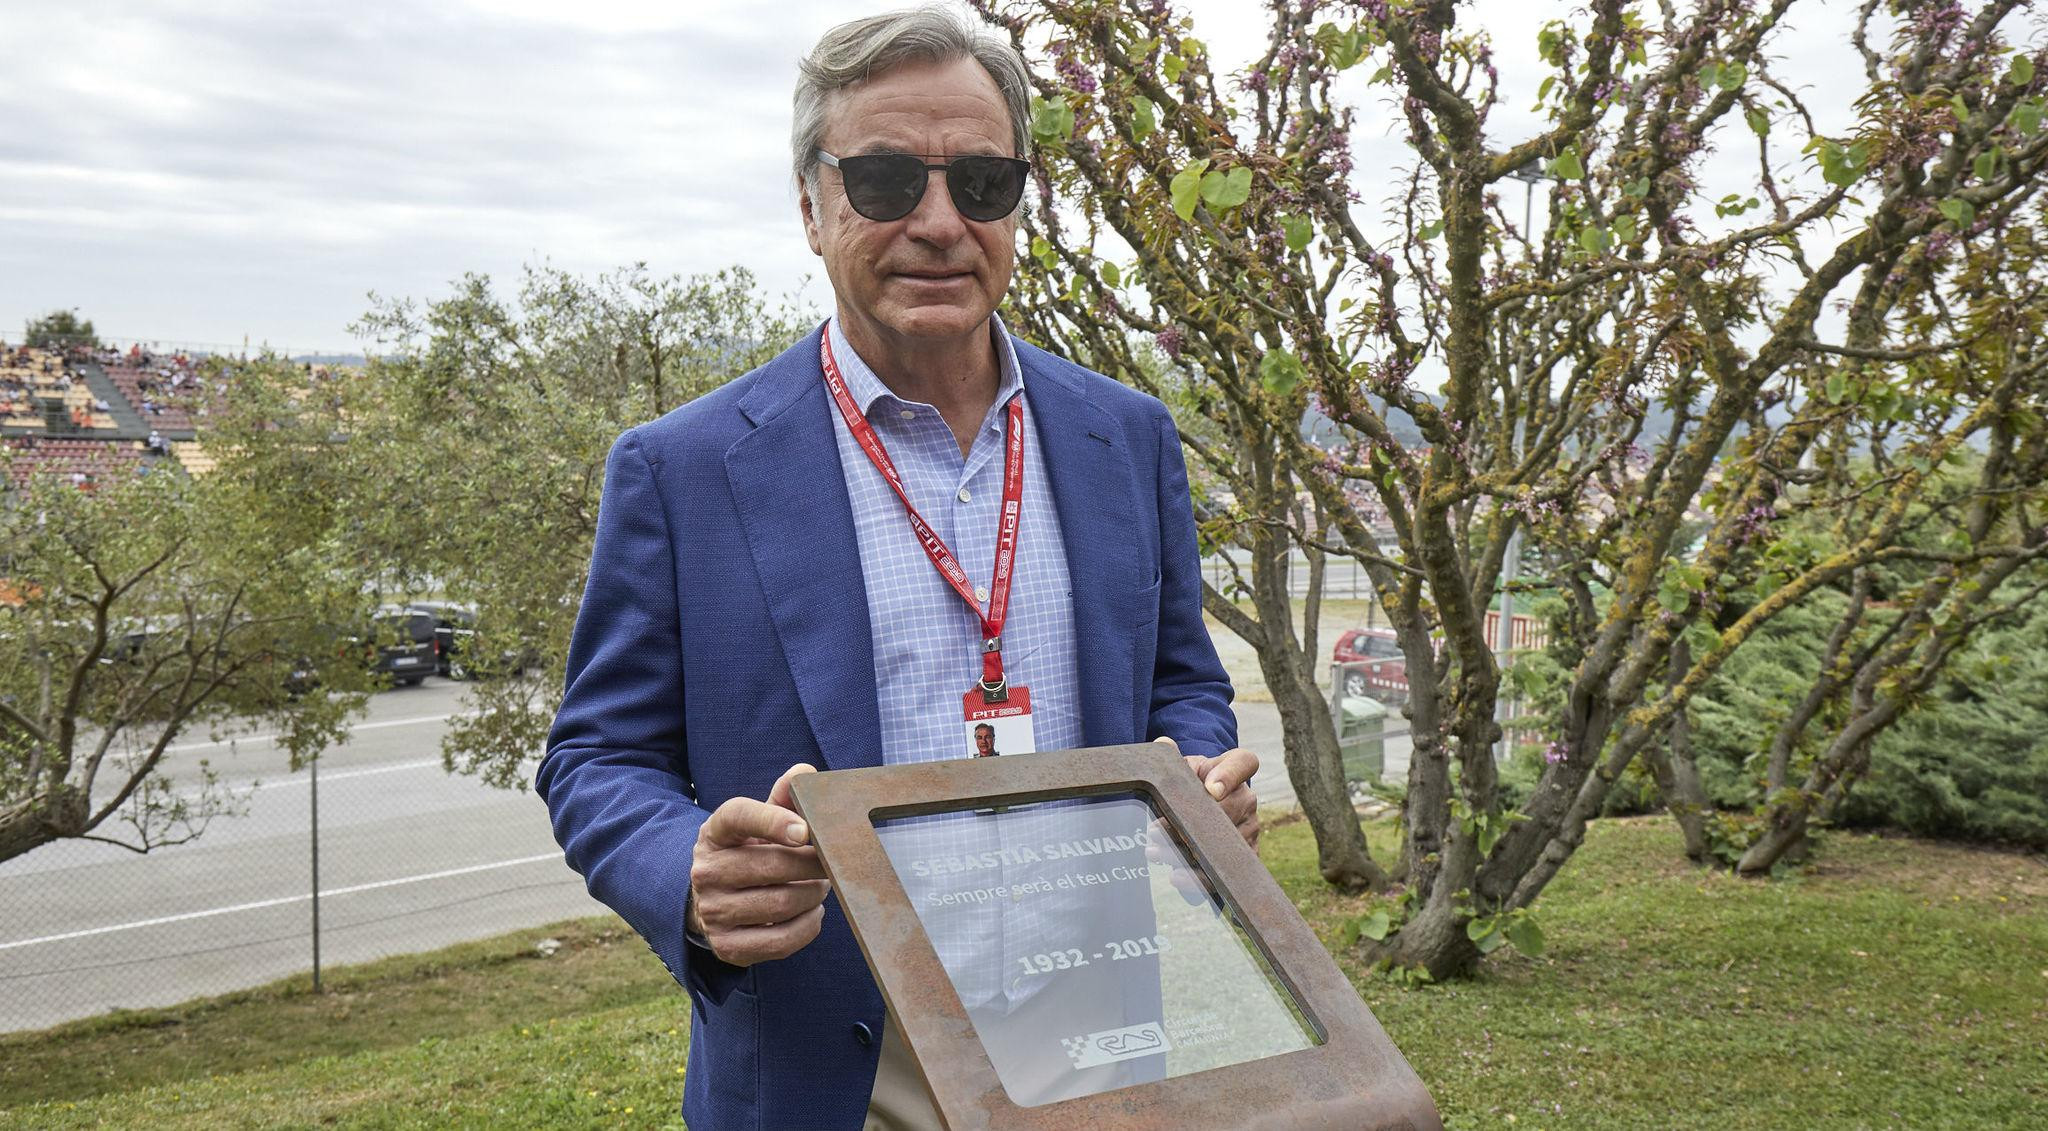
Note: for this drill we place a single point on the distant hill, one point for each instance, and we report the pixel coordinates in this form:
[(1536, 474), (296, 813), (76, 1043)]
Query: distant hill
[(351, 359)]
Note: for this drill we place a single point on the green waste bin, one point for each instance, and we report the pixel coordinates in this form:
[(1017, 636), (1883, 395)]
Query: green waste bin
[(1360, 723)]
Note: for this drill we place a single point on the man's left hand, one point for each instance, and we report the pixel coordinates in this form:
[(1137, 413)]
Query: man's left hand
[(1228, 777)]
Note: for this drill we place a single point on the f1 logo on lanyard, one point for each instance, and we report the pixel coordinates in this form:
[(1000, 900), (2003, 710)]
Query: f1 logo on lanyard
[(997, 716)]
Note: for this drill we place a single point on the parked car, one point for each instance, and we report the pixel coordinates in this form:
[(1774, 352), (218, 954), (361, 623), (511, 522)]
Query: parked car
[(1380, 648), (455, 637), (404, 645)]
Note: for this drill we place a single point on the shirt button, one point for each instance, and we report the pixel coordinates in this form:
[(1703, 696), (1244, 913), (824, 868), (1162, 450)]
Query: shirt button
[(862, 1033), (908, 414), (981, 593), (965, 495)]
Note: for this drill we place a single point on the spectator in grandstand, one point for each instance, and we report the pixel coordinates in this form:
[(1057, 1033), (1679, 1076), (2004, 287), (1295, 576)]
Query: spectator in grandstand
[(157, 444), (758, 604)]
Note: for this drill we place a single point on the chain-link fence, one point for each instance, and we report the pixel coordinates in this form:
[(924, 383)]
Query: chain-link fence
[(409, 858)]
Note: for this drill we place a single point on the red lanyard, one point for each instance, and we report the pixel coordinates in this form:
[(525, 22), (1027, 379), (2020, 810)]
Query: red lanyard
[(993, 686)]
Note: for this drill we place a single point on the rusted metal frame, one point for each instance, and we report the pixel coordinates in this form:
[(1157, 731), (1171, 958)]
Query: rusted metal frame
[(1354, 1079)]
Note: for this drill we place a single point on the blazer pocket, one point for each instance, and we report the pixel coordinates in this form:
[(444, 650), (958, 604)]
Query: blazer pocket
[(1144, 604)]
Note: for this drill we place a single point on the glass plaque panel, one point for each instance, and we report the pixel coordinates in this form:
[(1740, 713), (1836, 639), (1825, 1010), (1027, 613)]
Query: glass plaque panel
[(1089, 951)]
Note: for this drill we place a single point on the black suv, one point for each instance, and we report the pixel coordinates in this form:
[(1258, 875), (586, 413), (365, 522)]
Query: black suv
[(406, 649)]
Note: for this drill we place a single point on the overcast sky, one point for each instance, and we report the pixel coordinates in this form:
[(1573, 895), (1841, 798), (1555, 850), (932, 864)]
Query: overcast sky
[(191, 172)]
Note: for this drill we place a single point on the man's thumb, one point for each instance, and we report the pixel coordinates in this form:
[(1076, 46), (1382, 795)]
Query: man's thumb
[(782, 793)]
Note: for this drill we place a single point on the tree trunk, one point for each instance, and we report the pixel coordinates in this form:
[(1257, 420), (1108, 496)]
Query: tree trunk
[(1677, 774), (39, 820), (1435, 940), (1315, 767)]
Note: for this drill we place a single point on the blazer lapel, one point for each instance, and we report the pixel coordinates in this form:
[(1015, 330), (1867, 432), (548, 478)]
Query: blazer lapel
[(791, 496), (1088, 462)]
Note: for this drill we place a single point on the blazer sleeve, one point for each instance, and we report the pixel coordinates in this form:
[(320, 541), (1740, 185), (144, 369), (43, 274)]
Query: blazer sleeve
[(1190, 690), (616, 773)]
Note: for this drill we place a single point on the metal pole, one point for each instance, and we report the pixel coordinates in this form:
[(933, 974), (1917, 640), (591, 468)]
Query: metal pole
[(315, 767)]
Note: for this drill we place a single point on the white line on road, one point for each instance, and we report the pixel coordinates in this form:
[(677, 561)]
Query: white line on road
[(271, 737), (281, 901), (347, 774)]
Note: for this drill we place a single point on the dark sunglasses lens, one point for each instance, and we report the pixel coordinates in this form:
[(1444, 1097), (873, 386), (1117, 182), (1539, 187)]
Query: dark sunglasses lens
[(883, 186), (986, 188)]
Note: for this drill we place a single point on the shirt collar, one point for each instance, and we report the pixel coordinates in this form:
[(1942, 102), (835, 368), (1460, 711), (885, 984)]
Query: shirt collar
[(868, 388)]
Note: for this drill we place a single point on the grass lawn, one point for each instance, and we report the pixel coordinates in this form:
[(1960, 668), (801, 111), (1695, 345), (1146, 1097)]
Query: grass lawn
[(1892, 983)]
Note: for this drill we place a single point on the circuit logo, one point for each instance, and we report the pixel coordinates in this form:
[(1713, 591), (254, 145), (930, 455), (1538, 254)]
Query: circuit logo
[(1112, 1045)]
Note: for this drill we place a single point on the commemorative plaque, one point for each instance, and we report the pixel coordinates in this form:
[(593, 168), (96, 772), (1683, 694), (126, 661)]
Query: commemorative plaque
[(1081, 939)]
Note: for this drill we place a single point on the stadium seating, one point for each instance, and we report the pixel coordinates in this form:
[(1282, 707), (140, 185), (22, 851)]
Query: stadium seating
[(52, 419)]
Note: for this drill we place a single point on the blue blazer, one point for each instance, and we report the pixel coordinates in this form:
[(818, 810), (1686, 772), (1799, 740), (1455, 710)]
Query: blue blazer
[(724, 637)]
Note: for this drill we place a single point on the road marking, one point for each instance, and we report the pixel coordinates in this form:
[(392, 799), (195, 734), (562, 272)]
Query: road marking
[(272, 737), (282, 900), (303, 779)]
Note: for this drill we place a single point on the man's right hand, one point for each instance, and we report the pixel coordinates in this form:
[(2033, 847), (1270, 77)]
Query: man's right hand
[(757, 888)]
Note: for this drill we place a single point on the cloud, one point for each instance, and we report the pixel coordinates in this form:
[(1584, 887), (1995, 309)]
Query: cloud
[(194, 171)]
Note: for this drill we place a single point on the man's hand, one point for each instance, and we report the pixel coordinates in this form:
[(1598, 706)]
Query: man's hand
[(757, 888), (1228, 777)]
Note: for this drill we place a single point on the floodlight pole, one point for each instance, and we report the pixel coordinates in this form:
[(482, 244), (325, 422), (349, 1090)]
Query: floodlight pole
[(1510, 566)]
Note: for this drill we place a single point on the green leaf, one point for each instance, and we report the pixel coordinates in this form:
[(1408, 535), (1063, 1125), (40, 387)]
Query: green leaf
[(1212, 186), (1172, 66), (1638, 188), (1489, 835), (1962, 108), (1382, 75), (2027, 115), (1526, 935), (1186, 189), (1232, 188), (1837, 387), (1429, 231), (1299, 231), (1343, 47), (1051, 119), (1710, 75), (1759, 122), (1985, 164), (1567, 164), (2022, 71), (1673, 595), (1144, 118), (1732, 76), (1594, 240), (1486, 934), (1624, 228), (1280, 372), (1111, 276), (1375, 926), (1959, 211)]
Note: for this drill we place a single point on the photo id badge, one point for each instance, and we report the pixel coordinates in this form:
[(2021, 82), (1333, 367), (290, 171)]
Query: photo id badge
[(998, 728)]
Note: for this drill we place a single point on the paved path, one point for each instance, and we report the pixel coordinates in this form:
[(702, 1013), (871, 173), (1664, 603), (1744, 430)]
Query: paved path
[(411, 859), (1258, 729)]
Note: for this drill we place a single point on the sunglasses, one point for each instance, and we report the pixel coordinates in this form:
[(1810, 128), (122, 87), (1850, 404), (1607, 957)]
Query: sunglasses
[(888, 186)]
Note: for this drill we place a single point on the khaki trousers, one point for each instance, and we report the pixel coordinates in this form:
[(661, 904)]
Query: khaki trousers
[(899, 1102)]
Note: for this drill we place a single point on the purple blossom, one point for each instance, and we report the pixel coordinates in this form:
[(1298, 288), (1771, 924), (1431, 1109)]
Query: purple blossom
[(1170, 341), (1557, 752)]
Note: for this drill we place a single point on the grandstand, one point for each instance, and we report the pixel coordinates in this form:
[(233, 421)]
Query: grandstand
[(89, 415)]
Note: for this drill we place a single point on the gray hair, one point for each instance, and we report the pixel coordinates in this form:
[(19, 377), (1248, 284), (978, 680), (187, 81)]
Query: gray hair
[(867, 47)]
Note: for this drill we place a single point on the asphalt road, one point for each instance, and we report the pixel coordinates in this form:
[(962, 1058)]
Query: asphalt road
[(411, 858)]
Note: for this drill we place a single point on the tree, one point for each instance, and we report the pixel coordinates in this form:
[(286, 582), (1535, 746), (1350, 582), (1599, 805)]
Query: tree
[(156, 605), (473, 455), (58, 329), (1649, 362)]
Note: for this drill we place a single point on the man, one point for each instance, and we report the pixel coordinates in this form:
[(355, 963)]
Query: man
[(984, 741), (799, 571)]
